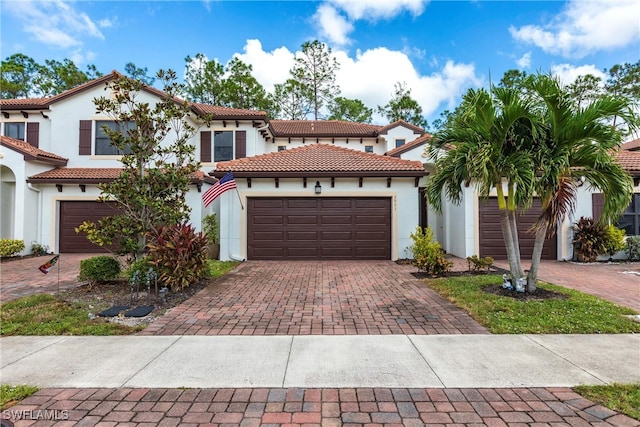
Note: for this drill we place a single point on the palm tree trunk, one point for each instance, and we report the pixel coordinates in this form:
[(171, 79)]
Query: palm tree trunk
[(532, 277), (507, 235), (516, 241)]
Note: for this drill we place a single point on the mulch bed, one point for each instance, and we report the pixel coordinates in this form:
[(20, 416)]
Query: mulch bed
[(539, 295)]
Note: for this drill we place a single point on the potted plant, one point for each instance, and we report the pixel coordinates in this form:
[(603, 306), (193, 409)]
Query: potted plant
[(211, 230)]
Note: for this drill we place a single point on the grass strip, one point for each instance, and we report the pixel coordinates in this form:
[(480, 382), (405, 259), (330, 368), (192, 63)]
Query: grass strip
[(578, 313)]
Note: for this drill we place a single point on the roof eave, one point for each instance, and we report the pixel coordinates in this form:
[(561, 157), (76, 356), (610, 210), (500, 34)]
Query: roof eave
[(320, 174)]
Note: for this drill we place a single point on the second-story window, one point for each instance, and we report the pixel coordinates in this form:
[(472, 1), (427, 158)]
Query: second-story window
[(14, 130), (368, 148), (399, 142), (103, 145), (222, 145)]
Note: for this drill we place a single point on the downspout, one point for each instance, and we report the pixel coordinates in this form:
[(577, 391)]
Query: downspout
[(229, 228), (39, 225)]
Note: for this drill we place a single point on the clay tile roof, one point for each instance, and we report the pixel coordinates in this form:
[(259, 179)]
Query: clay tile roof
[(630, 161), (24, 103), (228, 113), (409, 146), (632, 145), (93, 175), (320, 160), (32, 153), (317, 128), (416, 129)]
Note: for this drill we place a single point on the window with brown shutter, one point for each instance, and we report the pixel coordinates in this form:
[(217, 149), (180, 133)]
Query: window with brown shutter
[(84, 145), (33, 134), (205, 147), (241, 144)]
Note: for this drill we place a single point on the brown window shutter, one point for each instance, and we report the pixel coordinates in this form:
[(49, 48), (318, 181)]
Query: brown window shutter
[(33, 133), (84, 147), (597, 203), (205, 146), (241, 144)]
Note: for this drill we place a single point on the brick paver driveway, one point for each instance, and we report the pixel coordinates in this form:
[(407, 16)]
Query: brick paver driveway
[(329, 298)]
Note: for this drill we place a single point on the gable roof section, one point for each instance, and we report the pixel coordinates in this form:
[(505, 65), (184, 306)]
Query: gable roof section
[(322, 128), (630, 161), (24, 104), (319, 160), (396, 152), (414, 128), (32, 153)]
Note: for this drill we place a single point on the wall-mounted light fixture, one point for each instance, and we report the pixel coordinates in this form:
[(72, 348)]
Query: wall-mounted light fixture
[(317, 188), (581, 181)]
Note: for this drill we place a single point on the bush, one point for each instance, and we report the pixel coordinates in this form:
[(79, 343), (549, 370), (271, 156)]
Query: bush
[(211, 229), (178, 254), (614, 240), (588, 239), (477, 264), (633, 248), (10, 247), (428, 256), (99, 268), (38, 249)]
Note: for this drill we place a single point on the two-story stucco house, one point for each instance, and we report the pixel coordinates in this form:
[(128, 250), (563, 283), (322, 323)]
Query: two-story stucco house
[(305, 189)]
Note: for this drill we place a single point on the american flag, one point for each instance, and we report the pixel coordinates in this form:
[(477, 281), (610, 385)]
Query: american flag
[(226, 183)]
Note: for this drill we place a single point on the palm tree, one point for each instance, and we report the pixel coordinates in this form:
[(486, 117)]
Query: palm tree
[(491, 134), (577, 144)]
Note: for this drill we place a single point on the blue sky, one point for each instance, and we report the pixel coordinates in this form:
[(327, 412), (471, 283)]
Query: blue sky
[(438, 48)]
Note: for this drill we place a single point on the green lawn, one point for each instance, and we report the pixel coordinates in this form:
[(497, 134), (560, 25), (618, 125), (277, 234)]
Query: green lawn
[(45, 314), (10, 395), (579, 313), (220, 268), (623, 398)]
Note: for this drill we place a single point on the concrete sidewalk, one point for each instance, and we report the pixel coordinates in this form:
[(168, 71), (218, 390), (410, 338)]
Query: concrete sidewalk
[(439, 361)]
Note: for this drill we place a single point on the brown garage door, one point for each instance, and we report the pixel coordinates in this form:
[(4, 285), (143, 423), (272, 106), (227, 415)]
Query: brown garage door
[(319, 228), (72, 214), (492, 242)]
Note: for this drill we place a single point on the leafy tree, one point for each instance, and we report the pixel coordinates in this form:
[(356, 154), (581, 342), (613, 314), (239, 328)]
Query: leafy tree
[(136, 73), (441, 122), (403, 107), (352, 110), (624, 81), (203, 80), (513, 78), (241, 90), (56, 77), (316, 70), (585, 89), (291, 100), (157, 169), (17, 76)]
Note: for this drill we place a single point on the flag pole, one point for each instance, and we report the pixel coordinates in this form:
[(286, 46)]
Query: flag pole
[(239, 199)]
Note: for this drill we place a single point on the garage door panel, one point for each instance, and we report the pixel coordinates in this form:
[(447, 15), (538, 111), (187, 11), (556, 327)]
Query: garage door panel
[(268, 204), (276, 236), (304, 236), (301, 203), (373, 219), (74, 213), (321, 228), (335, 219), (335, 203), (490, 236), (267, 219), (336, 236), (301, 219)]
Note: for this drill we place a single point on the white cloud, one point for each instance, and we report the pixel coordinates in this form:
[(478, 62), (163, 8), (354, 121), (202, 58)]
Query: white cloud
[(53, 22), (569, 73), (585, 26), (370, 76), (335, 18), (378, 9), (524, 61), (269, 68)]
